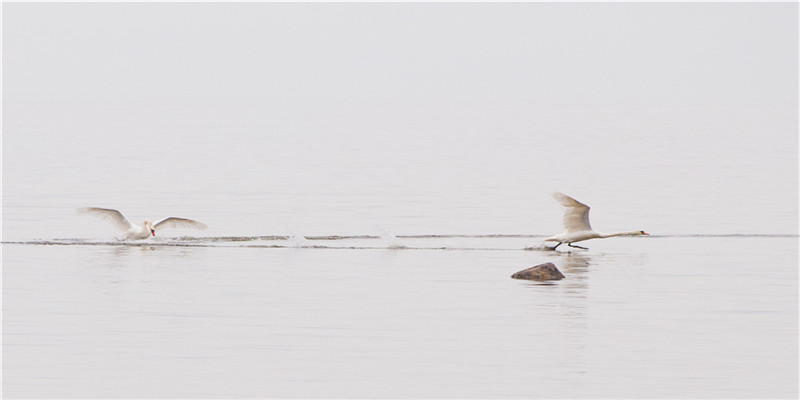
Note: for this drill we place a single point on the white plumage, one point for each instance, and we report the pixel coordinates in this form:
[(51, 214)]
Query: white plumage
[(146, 229), (576, 224)]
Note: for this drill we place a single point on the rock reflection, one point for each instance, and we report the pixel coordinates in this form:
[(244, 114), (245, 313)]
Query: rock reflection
[(575, 285), (575, 268)]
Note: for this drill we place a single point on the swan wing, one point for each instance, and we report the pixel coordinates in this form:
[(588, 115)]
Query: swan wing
[(114, 216), (175, 222), (576, 214)]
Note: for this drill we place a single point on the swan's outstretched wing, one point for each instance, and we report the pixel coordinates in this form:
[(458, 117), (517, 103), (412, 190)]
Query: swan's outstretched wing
[(175, 222), (114, 216), (576, 214)]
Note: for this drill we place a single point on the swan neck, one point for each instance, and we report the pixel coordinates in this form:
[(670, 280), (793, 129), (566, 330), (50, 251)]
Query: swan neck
[(631, 233)]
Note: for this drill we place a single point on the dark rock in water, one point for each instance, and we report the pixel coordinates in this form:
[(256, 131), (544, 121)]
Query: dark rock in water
[(541, 272)]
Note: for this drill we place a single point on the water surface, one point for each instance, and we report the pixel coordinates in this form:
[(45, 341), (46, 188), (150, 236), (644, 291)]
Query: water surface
[(371, 175), (714, 316)]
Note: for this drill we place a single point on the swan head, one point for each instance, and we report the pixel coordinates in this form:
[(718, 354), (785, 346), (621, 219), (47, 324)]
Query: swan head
[(149, 226), (640, 233)]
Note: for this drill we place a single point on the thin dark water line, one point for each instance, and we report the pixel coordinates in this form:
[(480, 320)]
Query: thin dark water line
[(352, 237), (276, 246), (389, 248), (487, 236), (454, 236), (729, 235), (120, 243), (212, 241)]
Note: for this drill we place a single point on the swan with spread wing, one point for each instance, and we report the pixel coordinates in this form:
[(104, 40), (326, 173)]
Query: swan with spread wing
[(576, 224), (146, 229)]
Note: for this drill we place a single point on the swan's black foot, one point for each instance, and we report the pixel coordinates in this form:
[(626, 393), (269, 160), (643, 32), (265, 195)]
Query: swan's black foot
[(577, 247), (556, 246)]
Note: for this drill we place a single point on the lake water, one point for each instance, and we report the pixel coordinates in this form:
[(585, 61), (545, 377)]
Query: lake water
[(418, 301), (372, 174), (635, 317)]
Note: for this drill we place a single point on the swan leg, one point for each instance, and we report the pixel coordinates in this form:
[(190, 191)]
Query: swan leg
[(553, 248), (577, 247)]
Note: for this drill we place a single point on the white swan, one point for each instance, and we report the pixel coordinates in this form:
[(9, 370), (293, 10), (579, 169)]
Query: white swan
[(146, 229), (576, 224)]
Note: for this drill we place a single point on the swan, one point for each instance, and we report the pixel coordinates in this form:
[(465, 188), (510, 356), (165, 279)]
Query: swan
[(576, 224), (146, 229)]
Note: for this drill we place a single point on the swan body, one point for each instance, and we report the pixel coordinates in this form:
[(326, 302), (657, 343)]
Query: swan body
[(146, 229), (576, 224)]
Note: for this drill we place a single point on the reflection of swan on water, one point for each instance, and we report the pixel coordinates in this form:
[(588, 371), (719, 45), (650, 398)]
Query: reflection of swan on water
[(574, 261), (576, 224), (146, 229)]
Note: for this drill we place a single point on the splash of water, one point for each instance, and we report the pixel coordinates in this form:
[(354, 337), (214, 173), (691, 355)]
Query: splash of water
[(389, 238), (536, 246), (297, 240)]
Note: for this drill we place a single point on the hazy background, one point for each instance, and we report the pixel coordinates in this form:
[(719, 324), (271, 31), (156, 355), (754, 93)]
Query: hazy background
[(623, 53), (678, 119), (335, 118)]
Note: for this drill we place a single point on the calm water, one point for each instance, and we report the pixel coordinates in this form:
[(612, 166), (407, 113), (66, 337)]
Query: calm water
[(414, 148), (713, 317), (230, 312)]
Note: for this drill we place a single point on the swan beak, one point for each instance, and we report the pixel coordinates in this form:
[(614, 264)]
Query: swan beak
[(153, 232), (643, 233)]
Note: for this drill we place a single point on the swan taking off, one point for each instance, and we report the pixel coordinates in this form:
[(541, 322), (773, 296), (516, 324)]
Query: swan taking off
[(146, 229), (576, 224)]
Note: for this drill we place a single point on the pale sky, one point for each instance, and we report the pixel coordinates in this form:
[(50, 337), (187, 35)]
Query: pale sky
[(550, 53)]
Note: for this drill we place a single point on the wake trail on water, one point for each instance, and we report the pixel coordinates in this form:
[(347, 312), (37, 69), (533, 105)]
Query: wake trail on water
[(387, 240), (289, 245)]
